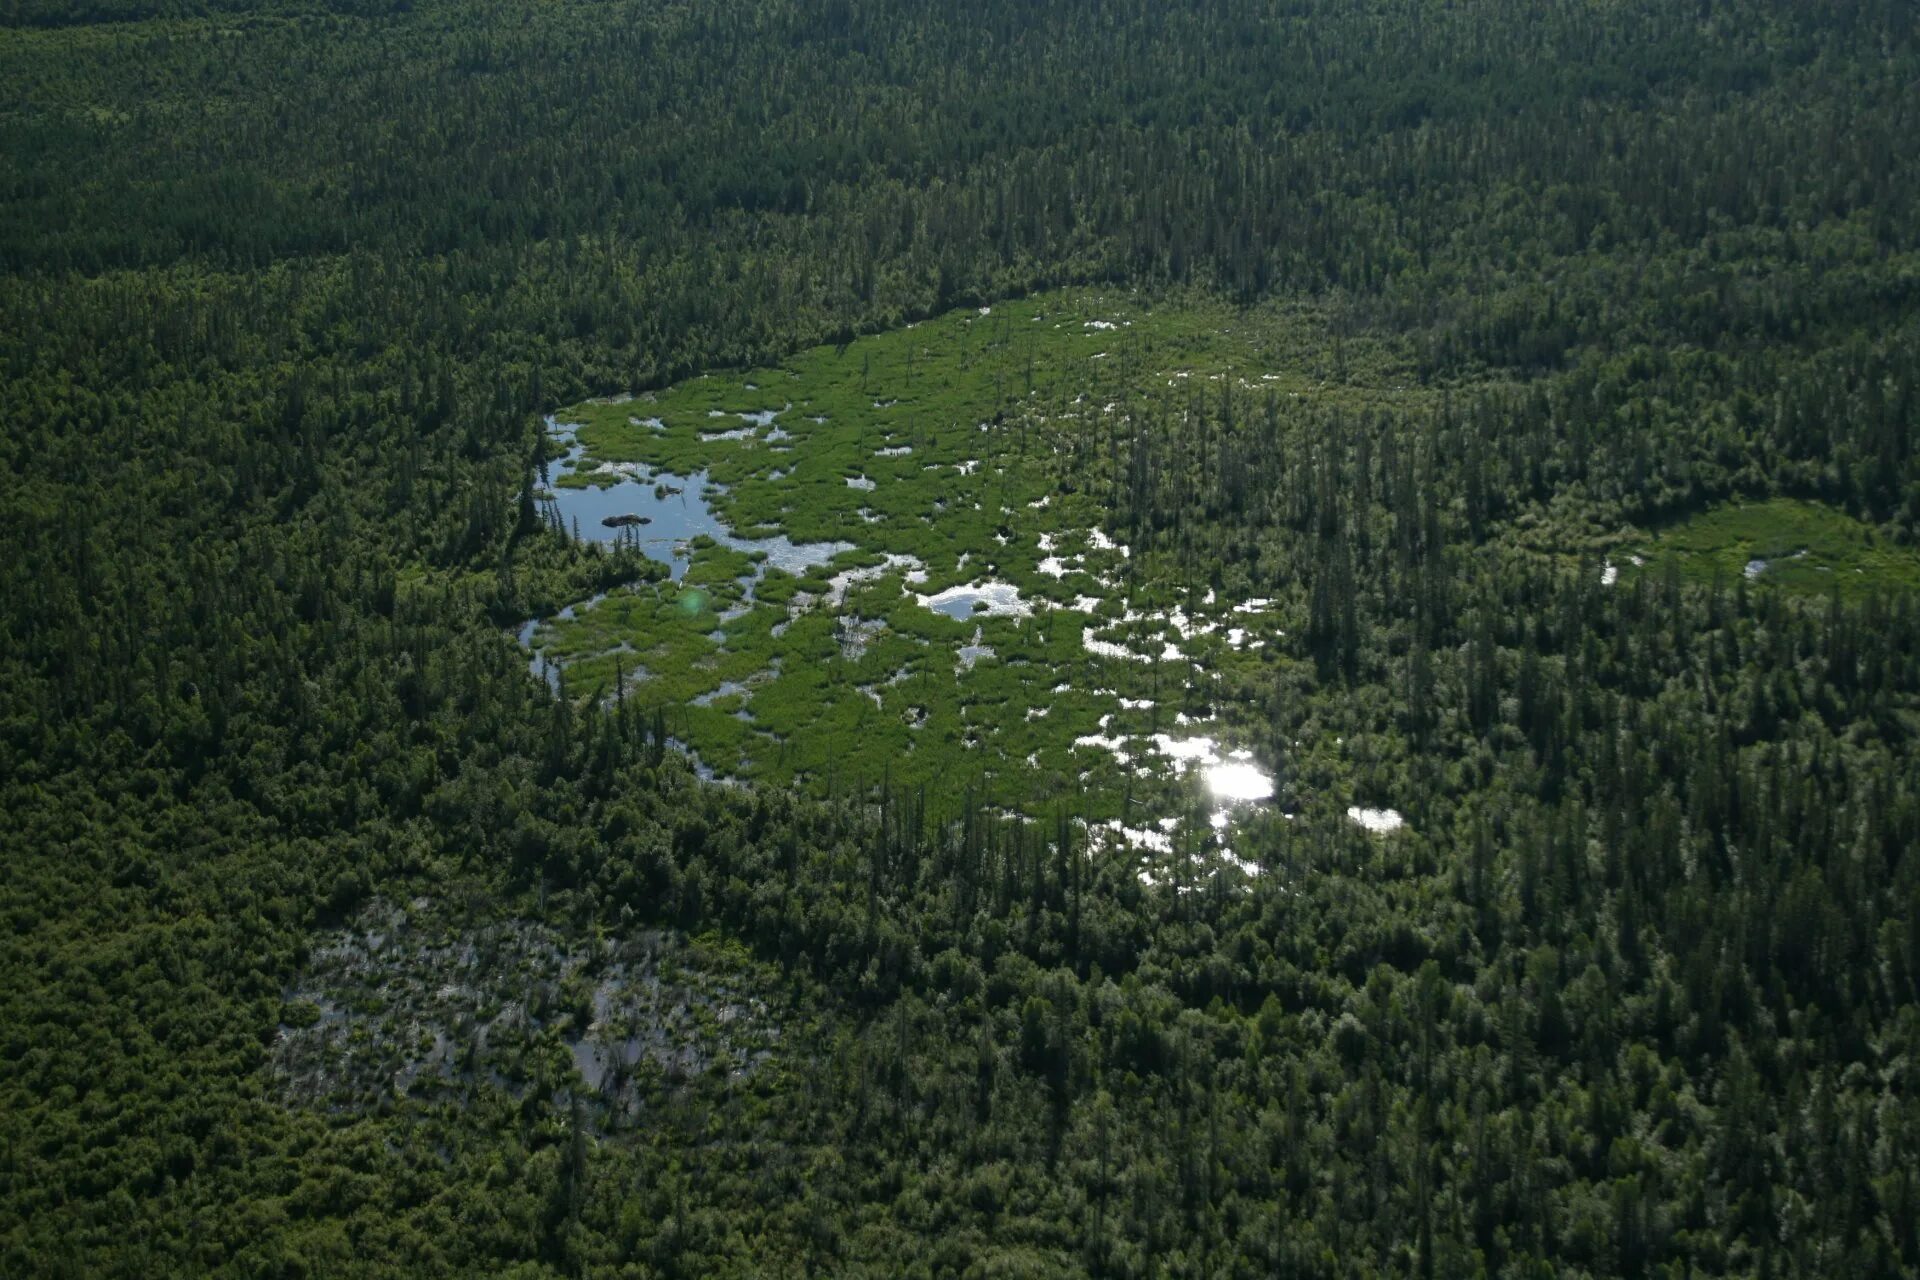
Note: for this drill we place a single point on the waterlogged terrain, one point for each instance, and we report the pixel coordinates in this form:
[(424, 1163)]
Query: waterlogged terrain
[(411, 1000), (892, 562), (1801, 546)]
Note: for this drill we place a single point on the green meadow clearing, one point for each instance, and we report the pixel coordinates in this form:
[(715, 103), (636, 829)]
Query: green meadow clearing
[(1797, 545)]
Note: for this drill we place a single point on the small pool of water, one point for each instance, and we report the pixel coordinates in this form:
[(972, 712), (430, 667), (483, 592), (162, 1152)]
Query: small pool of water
[(537, 661), (1233, 780), (1378, 821), (727, 689), (855, 634), (973, 651), (838, 584), (979, 599), (662, 513), (1755, 567), (1237, 780)]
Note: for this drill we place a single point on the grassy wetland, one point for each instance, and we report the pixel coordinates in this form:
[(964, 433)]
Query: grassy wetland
[(897, 561), (1801, 546), (977, 559)]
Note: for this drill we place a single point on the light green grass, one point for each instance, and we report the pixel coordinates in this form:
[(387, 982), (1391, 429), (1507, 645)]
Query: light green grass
[(1808, 548), (995, 409)]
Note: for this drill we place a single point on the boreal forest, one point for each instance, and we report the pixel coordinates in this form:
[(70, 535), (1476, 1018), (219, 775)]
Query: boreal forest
[(1113, 638)]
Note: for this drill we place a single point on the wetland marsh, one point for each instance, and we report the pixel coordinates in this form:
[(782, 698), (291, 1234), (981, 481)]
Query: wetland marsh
[(893, 565)]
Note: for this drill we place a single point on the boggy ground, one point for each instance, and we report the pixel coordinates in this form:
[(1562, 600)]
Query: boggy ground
[(985, 632), (428, 1000), (1801, 546)]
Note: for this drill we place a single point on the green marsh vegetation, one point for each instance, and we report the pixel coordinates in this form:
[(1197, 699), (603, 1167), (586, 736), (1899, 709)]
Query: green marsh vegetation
[(1802, 546), (988, 436)]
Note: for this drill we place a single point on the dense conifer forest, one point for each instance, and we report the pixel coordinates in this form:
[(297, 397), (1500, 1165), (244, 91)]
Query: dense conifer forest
[(1530, 344)]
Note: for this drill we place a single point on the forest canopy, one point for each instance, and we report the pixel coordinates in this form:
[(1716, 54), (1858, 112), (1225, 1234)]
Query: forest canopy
[(1488, 348)]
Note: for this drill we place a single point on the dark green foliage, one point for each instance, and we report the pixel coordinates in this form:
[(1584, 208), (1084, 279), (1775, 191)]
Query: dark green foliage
[(1637, 989)]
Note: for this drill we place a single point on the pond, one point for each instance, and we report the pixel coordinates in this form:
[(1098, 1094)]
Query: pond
[(1378, 821), (661, 513), (980, 599)]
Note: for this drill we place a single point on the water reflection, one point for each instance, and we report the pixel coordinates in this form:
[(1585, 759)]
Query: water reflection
[(660, 513), (991, 599), (1378, 821)]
